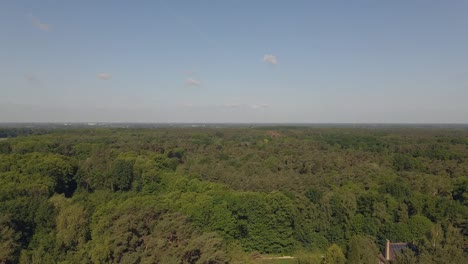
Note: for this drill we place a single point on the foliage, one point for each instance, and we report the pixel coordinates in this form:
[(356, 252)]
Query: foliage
[(206, 195), (334, 255), (361, 249)]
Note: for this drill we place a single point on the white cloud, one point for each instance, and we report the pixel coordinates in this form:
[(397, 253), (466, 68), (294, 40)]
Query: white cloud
[(193, 82), (104, 76), (271, 59), (247, 106), (38, 24), (234, 105), (259, 106)]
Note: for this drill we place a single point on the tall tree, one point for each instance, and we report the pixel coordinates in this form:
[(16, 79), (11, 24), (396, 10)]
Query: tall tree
[(362, 250)]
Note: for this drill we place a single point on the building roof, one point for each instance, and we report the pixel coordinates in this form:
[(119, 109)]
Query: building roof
[(396, 248), (381, 259)]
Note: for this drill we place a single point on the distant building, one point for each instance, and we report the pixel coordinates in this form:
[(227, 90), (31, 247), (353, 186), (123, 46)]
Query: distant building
[(391, 251)]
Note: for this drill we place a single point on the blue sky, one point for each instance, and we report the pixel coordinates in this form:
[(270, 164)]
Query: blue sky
[(234, 61)]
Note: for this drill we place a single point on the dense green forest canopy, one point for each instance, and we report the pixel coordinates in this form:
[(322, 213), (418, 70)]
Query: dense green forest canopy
[(217, 195)]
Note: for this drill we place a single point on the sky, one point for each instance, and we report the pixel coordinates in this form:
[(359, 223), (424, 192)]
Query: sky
[(234, 61)]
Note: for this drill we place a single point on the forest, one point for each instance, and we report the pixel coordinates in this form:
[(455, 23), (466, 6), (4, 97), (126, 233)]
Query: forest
[(229, 195)]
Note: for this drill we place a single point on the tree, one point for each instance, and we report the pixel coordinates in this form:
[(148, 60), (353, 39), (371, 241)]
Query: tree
[(180, 195), (419, 226), (406, 256), (9, 245), (460, 192), (122, 173), (361, 250), (334, 255), (71, 223), (314, 195), (5, 147)]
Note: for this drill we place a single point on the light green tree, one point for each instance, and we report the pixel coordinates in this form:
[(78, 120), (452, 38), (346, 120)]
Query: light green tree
[(334, 255)]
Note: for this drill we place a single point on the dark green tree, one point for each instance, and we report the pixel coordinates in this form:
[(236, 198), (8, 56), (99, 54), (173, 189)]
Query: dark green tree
[(122, 174)]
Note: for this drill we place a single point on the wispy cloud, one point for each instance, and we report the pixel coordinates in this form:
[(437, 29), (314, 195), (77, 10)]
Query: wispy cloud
[(34, 80), (234, 105), (30, 77), (247, 106), (104, 76), (192, 82), (38, 24), (259, 106), (270, 59)]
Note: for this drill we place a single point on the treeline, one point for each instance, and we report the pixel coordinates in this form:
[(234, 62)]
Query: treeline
[(22, 131), (194, 195)]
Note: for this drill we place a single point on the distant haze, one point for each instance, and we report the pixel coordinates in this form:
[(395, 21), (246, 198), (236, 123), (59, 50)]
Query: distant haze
[(234, 61)]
